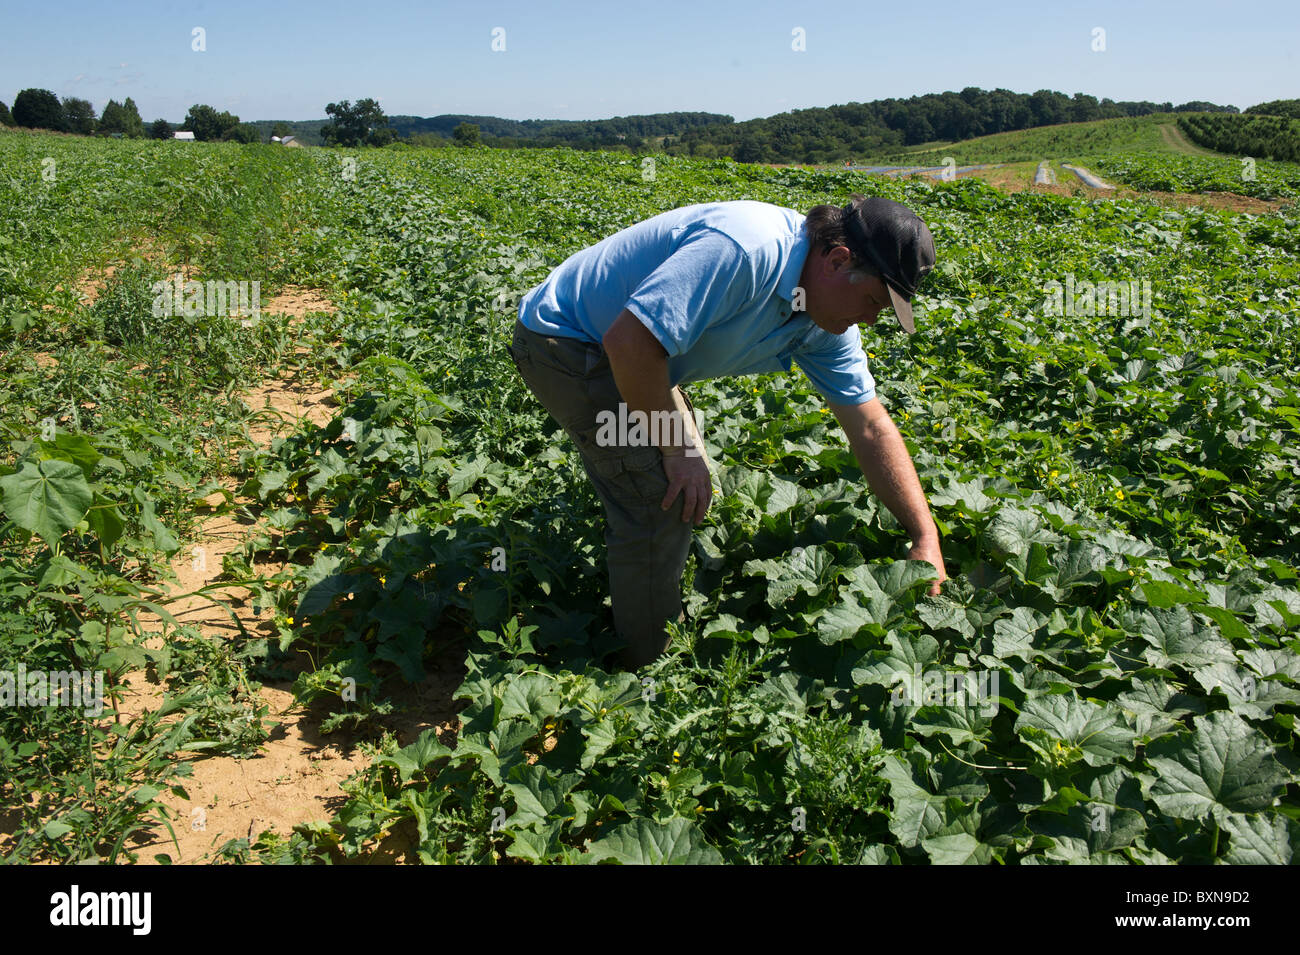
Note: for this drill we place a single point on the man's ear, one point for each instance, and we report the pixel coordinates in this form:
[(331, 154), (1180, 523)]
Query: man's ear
[(839, 257)]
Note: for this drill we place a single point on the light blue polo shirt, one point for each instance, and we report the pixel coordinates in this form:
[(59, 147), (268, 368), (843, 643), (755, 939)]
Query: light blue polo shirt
[(714, 284)]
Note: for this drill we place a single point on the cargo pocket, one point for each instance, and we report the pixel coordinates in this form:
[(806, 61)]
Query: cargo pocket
[(632, 476)]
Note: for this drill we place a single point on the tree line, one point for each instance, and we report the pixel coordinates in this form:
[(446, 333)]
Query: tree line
[(42, 109), (824, 134), (834, 133), (1277, 107), (1261, 137)]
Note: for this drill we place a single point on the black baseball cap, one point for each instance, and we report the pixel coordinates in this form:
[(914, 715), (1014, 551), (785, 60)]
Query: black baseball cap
[(893, 240)]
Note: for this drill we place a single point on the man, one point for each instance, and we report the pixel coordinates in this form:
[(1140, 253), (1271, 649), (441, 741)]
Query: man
[(728, 288)]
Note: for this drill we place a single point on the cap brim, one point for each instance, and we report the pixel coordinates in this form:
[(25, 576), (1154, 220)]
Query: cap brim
[(902, 308)]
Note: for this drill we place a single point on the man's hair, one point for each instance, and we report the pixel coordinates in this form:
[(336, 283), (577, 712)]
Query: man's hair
[(826, 230)]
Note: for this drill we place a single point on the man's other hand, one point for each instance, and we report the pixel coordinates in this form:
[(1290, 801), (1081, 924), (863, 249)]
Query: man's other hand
[(688, 475)]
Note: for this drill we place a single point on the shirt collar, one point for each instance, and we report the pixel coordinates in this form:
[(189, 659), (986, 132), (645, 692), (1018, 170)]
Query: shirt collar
[(789, 280)]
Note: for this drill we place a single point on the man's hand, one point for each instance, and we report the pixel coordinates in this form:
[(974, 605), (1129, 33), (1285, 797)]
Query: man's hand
[(928, 550), (688, 475), (640, 367)]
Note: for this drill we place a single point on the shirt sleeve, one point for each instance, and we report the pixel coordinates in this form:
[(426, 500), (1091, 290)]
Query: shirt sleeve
[(707, 279), (837, 367)]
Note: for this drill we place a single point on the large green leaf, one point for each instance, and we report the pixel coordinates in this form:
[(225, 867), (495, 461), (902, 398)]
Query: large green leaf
[(1224, 766), (1178, 638), (47, 498), (1262, 839), (1083, 730), (643, 842), (531, 696), (537, 793)]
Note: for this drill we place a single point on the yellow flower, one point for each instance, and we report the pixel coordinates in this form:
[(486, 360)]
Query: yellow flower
[(383, 580), (1054, 473), (1074, 484), (1119, 495)]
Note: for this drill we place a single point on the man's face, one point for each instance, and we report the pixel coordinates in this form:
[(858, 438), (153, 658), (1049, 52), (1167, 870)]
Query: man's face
[(833, 303)]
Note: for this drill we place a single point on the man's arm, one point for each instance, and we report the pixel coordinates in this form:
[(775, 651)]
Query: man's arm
[(888, 468), (640, 366)]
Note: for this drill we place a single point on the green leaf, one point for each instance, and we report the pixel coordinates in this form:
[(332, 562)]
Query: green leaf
[(1013, 637), (537, 794), (1177, 637), (71, 447), (761, 491), (1097, 735), (1224, 766), (809, 570), (957, 849), (643, 842), (906, 657), (1161, 593), (917, 813), (105, 520), (163, 538), (531, 696), (47, 498), (1263, 839)]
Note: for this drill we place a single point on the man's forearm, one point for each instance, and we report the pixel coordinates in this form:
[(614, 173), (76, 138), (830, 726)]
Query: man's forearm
[(888, 468), (640, 367)]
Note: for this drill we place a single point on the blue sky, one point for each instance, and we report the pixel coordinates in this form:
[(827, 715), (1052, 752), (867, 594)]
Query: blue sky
[(587, 60)]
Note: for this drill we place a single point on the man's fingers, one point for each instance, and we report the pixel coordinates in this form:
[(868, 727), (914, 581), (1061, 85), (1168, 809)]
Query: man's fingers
[(674, 490), (688, 504), (702, 498)]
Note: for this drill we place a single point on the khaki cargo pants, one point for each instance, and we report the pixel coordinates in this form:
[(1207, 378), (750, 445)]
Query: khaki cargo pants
[(647, 546)]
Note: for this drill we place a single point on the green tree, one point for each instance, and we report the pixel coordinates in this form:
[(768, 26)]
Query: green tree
[(160, 129), (280, 129), (207, 124), (359, 125), (80, 115), (121, 118), (6, 117), (243, 133), (39, 109), (466, 134), (131, 115)]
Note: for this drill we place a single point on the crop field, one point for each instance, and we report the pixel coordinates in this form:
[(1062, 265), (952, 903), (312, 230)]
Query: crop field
[(1110, 675)]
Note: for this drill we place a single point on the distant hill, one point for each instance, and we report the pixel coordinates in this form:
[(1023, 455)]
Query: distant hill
[(819, 135), (836, 133), (631, 131), (1277, 107)]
